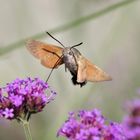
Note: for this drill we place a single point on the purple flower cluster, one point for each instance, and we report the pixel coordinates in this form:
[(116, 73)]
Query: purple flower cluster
[(90, 125), (132, 121), (23, 97)]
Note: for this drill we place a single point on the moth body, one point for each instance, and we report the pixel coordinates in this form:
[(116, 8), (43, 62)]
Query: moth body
[(70, 57)]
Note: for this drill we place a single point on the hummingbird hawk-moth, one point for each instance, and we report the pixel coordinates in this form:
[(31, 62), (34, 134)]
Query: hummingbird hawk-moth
[(52, 56)]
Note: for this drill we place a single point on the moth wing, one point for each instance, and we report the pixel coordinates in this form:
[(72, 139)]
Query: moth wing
[(90, 72), (49, 55), (81, 72)]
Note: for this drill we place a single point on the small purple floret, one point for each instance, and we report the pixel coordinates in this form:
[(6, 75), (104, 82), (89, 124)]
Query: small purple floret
[(16, 99), (8, 113)]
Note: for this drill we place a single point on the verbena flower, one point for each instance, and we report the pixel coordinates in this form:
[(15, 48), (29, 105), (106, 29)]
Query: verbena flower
[(132, 121), (23, 97), (90, 125)]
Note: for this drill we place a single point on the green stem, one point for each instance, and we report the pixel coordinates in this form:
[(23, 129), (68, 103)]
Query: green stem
[(66, 26), (27, 131)]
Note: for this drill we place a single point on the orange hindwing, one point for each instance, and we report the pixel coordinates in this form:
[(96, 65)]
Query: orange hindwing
[(90, 72)]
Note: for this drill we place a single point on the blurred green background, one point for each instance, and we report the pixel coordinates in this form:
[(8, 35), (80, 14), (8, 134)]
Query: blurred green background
[(110, 31)]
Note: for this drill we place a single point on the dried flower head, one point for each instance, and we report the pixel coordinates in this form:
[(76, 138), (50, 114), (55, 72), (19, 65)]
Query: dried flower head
[(90, 125), (23, 97)]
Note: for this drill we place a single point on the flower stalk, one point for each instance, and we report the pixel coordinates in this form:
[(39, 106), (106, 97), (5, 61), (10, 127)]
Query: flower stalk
[(27, 131)]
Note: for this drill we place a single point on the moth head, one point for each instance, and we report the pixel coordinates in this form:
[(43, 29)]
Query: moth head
[(70, 52)]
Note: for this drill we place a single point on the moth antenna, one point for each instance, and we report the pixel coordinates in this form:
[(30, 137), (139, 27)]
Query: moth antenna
[(53, 68), (76, 45), (55, 39)]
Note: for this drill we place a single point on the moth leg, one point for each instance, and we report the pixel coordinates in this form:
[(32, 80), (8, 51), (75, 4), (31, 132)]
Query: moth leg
[(53, 68)]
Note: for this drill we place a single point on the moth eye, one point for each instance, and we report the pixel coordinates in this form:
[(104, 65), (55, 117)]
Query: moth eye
[(70, 53)]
